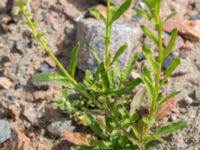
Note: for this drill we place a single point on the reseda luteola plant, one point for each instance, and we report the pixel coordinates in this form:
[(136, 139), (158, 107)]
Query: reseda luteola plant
[(107, 92)]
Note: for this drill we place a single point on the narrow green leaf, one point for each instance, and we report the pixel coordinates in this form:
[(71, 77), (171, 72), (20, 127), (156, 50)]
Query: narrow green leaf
[(111, 77), (149, 34), (105, 81), (169, 17), (150, 58), (73, 59), (171, 95), (129, 67), (146, 73), (170, 128), (143, 14), (170, 70), (97, 14), (128, 87), (51, 77), (99, 70), (117, 69), (170, 44), (88, 78), (153, 137), (120, 10), (94, 125), (119, 52), (95, 55)]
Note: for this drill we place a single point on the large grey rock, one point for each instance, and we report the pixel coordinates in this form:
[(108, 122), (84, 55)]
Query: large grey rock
[(5, 131), (91, 34)]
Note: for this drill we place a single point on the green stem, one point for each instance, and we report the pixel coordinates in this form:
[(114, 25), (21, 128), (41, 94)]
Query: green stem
[(107, 37), (160, 61)]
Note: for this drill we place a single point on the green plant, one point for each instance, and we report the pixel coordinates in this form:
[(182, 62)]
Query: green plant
[(107, 92)]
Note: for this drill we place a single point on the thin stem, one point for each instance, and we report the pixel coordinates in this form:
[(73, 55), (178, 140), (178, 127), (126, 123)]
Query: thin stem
[(107, 37), (160, 61)]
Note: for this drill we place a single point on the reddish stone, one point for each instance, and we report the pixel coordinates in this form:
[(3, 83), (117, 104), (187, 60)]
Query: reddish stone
[(189, 29)]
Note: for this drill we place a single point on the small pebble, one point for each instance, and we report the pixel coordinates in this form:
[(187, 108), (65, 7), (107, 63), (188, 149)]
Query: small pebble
[(5, 83), (167, 62), (188, 100), (197, 94), (5, 131), (58, 128), (22, 45)]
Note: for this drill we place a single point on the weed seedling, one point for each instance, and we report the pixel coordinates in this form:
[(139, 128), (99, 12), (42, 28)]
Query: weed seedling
[(107, 92)]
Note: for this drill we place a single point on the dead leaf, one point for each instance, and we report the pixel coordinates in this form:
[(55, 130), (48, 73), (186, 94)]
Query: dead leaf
[(137, 101), (166, 108), (77, 138)]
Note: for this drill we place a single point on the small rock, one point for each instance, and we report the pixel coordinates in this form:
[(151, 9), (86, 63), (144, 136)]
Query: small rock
[(141, 56), (91, 34), (188, 46), (50, 62), (5, 83), (194, 81), (52, 114), (5, 131), (188, 100), (3, 4), (195, 103), (30, 113), (41, 147), (183, 110), (197, 94), (58, 128), (5, 19), (167, 62), (72, 12), (52, 92), (43, 95), (22, 45), (14, 112), (189, 29), (173, 118), (45, 68)]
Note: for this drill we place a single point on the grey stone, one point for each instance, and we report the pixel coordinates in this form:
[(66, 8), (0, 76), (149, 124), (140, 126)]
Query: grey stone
[(58, 128), (197, 94), (30, 114), (91, 34), (45, 68), (5, 131), (22, 45), (167, 62)]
